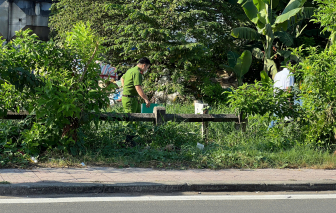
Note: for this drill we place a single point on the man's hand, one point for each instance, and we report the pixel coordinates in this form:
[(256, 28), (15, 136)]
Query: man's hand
[(142, 95), (148, 103)]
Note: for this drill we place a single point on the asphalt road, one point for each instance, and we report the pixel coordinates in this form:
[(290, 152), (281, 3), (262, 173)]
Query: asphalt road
[(283, 203)]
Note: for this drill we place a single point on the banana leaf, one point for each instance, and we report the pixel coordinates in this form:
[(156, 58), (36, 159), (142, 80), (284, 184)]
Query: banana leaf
[(285, 17), (232, 58), (285, 38), (271, 67), (259, 4), (245, 33), (292, 5), (243, 64), (251, 11), (284, 53)]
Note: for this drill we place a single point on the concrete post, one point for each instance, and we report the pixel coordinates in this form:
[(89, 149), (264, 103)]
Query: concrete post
[(205, 126), (202, 108), (159, 113)]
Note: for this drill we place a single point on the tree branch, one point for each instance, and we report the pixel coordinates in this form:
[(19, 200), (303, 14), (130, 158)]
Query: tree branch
[(90, 60)]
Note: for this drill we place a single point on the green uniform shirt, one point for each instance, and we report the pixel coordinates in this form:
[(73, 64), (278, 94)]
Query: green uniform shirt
[(132, 78)]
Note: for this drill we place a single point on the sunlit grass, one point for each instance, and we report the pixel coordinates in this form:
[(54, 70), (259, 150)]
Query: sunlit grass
[(173, 145)]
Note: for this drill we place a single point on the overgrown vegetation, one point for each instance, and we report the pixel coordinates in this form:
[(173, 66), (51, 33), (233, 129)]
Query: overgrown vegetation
[(187, 39), (173, 146), (58, 82)]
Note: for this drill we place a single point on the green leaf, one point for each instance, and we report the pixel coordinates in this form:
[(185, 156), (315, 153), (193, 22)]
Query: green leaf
[(284, 53), (275, 3), (281, 26), (228, 68), (245, 33), (258, 53), (251, 11), (262, 19), (285, 38), (308, 12), (259, 4), (243, 64), (271, 67), (232, 58), (242, 1), (286, 17), (268, 31), (332, 38), (293, 5), (264, 77)]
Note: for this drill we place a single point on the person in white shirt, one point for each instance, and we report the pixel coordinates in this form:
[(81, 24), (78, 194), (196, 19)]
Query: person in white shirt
[(283, 80)]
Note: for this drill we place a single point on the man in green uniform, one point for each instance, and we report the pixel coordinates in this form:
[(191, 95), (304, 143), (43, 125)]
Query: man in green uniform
[(131, 82)]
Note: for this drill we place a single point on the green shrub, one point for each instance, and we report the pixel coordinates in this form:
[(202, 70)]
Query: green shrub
[(318, 72), (58, 82), (262, 99)]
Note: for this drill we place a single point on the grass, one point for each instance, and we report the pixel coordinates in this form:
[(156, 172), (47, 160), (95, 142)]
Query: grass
[(173, 146)]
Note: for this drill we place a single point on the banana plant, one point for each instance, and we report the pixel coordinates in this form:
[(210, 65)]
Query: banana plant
[(269, 25), (239, 65)]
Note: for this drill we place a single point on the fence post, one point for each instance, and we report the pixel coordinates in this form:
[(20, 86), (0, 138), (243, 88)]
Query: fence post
[(159, 113), (202, 108), (205, 126), (241, 124)]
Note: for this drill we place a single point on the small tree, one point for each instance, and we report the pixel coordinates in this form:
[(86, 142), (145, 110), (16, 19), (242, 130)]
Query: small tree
[(269, 25), (54, 84)]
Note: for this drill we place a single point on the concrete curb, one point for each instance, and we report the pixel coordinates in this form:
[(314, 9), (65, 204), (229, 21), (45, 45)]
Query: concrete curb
[(81, 188)]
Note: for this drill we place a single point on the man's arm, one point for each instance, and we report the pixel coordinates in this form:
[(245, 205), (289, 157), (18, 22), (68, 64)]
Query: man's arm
[(142, 95), (122, 81)]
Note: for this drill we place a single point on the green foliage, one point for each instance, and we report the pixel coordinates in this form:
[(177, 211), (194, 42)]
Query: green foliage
[(239, 65), (226, 147), (185, 38), (10, 99), (262, 99), (56, 82), (323, 16), (272, 22), (212, 92), (264, 78), (280, 147), (10, 142), (318, 72)]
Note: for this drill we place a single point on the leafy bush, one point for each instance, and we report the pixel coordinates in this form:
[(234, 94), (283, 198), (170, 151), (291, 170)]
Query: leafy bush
[(323, 16), (212, 92), (318, 71), (56, 82), (10, 142), (262, 99)]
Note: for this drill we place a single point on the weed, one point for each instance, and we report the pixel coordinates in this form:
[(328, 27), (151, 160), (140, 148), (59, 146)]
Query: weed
[(173, 146)]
